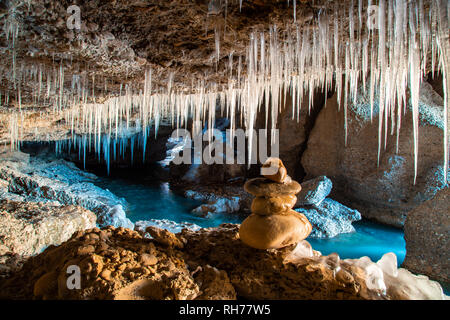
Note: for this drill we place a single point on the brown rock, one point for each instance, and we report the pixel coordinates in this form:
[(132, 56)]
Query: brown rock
[(148, 259), (251, 273), (164, 237), (427, 238), (46, 285), (272, 164), (274, 205), (262, 187), (274, 231)]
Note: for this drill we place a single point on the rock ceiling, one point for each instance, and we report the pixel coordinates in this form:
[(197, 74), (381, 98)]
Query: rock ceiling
[(120, 39)]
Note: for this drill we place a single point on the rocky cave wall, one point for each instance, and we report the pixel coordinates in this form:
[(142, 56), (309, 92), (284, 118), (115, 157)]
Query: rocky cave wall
[(120, 39)]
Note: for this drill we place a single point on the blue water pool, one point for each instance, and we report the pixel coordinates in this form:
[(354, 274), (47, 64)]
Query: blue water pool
[(158, 201), (370, 239)]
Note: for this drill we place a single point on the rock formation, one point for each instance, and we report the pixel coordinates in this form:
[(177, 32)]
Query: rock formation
[(273, 224), (213, 203), (27, 228), (314, 191), (327, 216), (59, 182), (117, 263), (330, 218), (385, 193), (427, 236)]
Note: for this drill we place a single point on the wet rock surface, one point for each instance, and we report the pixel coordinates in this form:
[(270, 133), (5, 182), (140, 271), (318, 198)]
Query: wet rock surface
[(27, 228), (427, 236), (314, 191), (60, 182), (330, 218), (117, 263)]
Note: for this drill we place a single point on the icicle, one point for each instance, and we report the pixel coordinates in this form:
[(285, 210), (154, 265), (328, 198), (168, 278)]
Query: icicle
[(382, 65), (295, 11), (414, 75), (217, 43)]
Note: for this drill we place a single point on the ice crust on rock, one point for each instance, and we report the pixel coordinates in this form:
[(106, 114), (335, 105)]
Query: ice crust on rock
[(330, 218), (314, 191)]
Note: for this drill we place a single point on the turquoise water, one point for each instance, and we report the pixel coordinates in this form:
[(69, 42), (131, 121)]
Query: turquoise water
[(158, 201), (370, 239)]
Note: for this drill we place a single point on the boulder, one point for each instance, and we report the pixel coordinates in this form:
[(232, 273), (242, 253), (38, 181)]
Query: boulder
[(274, 231), (61, 182), (427, 237), (273, 169), (27, 228), (164, 237), (314, 191), (330, 218), (169, 225), (385, 193)]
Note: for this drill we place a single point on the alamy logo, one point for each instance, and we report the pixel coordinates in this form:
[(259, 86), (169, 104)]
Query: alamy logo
[(222, 148), (74, 20), (74, 280)]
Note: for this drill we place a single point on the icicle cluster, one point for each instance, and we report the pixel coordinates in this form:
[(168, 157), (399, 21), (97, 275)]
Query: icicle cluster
[(385, 51)]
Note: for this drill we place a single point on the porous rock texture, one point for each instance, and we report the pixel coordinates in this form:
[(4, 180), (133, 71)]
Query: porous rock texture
[(117, 263), (27, 228), (427, 236), (330, 218), (314, 191), (385, 193)]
